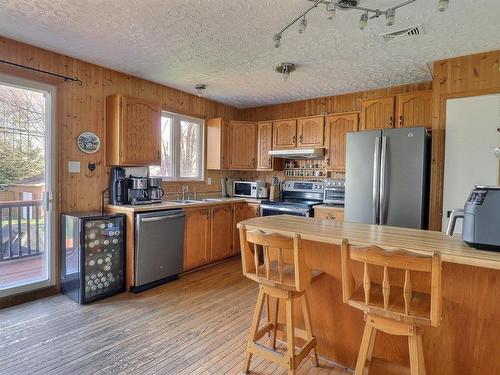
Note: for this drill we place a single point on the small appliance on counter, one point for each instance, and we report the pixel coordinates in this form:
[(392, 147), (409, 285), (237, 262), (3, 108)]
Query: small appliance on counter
[(481, 218), (249, 189), (334, 191), (227, 186), (134, 186), (92, 256)]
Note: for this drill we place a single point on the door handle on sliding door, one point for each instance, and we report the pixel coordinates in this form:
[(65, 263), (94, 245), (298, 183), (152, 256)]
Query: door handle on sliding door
[(376, 181), (383, 168), (47, 200)]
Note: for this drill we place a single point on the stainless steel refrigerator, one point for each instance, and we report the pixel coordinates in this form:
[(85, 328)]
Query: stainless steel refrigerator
[(387, 177)]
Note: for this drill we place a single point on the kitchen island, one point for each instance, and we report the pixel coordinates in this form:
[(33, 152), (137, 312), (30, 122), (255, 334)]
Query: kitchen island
[(465, 343)]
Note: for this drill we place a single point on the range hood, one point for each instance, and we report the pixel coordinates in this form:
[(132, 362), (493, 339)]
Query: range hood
[(299, 153)]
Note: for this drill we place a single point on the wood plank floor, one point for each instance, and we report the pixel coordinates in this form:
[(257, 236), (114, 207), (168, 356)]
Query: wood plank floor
[(195, 325)]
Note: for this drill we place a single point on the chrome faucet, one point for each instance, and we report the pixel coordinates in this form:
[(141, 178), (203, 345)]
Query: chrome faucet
[(185, 190)]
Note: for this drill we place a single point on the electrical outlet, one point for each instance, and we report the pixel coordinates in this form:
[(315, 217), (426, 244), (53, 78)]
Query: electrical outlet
[(209, 180)]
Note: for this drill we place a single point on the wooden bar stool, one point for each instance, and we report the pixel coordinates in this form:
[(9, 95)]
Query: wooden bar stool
[(283, 276), (389, 308)]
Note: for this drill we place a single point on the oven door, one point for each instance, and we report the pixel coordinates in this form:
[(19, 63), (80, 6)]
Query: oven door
[(270, 210)]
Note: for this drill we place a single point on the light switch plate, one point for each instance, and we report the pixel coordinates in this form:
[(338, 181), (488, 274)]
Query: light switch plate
[(73, 166), (209, 180)]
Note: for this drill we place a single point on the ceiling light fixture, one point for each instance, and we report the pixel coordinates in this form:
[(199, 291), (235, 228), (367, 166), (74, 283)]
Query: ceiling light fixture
[(302, 25), (443, 5), (347, 5), (277, 40), (200, 87), (363, 21), (389, 17), (285, 69), (331, 10)]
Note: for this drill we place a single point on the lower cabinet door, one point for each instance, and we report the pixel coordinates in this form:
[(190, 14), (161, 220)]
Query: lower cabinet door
[(196, 238), (221, 232), (242, 211)]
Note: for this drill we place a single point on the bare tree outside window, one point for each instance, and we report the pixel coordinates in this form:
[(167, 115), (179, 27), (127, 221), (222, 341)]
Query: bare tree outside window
[(181, 148)]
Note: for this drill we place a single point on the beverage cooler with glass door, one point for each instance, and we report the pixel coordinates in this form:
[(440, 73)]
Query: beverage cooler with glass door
[(92, 256)]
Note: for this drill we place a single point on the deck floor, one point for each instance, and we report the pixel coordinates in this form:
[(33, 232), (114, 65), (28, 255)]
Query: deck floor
[(195, 325)]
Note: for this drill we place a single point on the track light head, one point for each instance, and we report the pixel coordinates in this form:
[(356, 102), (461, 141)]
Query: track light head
[(302, 25), (277, 40), (331, 9), (443, 5), (389, 17), (363, 21)]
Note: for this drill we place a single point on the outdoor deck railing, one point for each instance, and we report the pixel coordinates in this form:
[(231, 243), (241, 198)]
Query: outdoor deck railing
[(21, 229)]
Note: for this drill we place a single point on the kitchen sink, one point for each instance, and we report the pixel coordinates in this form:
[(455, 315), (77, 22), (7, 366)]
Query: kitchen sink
[(213, 200), (185, 201)]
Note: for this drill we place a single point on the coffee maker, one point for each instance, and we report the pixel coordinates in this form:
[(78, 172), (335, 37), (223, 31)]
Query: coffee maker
[(155, 191), (138, 190), (119, 187)]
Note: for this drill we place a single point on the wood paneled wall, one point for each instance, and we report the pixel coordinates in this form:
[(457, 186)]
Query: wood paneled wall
[(330, 104), (464, 76), (82, 108)]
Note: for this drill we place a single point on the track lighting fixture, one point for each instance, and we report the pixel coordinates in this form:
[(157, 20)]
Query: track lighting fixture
[(302, 25), (331, 9), (363, 21), (277, 40), (347, 5), (443, 5), (389, 17)]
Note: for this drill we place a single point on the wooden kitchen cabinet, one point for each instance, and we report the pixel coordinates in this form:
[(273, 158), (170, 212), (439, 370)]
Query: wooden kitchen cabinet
[(329, 213), (242, 211), (243, 145), (284, 134), (414, 109), (221, 232), (337, 127), (196, 237), (310, 131), (264, 145), (218, 134), (133, 129), (377, 113)]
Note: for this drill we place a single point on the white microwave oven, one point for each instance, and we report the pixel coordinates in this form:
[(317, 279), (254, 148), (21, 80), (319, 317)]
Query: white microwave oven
[(248, 189)]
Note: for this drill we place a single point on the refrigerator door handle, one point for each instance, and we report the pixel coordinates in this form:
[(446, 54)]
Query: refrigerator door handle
[(383, 166), (376, 180)]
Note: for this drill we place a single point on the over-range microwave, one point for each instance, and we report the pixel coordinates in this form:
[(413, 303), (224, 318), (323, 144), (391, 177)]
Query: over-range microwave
[(250, 189)]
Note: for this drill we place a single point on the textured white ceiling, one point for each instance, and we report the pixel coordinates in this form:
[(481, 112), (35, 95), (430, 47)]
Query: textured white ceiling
[(228, 45)]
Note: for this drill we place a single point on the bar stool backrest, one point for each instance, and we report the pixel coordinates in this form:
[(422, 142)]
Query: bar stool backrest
[(385, 298), (274, 260)]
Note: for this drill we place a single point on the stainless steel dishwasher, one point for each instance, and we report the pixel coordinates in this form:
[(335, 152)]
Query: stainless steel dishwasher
[(159, 245)]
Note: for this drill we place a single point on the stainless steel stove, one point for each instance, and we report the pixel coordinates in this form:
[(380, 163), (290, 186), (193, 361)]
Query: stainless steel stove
[(299, 198)]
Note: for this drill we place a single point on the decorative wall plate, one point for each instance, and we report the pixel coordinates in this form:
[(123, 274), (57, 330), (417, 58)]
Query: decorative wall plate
[(88, 142)]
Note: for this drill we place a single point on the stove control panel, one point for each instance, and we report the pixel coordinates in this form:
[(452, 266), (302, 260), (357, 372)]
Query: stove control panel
[(305, 186)]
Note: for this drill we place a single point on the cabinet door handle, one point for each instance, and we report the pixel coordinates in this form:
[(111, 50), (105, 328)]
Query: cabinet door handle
[(401, 120), (390, 121), (294, 138), (328, 161), (300, 138)]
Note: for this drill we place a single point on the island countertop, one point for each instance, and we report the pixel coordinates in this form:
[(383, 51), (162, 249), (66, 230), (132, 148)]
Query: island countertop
[(451, 248), (471, 297)]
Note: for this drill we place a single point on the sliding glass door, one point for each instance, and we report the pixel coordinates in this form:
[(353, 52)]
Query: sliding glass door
[(26, 182)]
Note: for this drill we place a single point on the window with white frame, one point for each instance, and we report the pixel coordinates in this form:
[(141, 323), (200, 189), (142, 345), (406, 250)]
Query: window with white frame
[(182, 140)]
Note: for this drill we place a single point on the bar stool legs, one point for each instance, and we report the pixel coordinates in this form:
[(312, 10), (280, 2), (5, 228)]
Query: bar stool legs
[(292, 358), (374, 323)]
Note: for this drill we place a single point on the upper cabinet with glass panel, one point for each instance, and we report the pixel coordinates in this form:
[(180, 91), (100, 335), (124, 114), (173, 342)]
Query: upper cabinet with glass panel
[(133, 128), (182, 140)]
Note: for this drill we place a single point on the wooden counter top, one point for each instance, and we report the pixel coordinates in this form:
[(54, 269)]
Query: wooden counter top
[(170, 205), (452, 249)]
